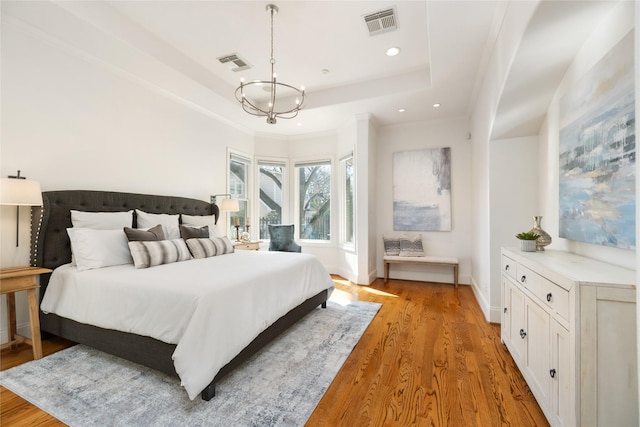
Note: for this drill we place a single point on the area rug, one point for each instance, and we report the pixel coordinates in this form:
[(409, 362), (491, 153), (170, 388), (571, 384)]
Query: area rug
[(279, 386)]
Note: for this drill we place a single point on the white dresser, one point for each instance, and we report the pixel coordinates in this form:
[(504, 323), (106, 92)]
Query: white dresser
[(570, 324)]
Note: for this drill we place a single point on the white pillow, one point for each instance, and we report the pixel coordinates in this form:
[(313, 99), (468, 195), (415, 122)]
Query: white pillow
[(169, 223), (202, 220), (98, 248), (102, 220)]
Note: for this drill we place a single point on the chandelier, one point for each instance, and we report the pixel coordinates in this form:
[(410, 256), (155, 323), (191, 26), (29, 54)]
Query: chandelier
[(271, 86)]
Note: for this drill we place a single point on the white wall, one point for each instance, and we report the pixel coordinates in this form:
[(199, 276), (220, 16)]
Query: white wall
[(493, 209), (457, 242), (610, 31), (70, 122), (483, 116), (513, 165)]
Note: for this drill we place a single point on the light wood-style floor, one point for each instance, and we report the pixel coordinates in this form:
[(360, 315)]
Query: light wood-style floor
[(428, 358)]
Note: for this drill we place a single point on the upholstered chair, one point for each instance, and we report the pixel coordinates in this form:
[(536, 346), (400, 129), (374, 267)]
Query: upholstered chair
[(282, 238)]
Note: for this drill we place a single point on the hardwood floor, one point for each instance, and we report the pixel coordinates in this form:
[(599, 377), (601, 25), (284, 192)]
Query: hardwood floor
[(428, 359)]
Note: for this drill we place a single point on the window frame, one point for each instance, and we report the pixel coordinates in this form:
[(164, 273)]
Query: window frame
[(310, 161), (286, 189), (248, 161), (342, 194)]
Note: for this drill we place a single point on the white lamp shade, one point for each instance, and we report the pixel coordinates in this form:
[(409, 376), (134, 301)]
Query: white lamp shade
[(20, 192), (230, 205)]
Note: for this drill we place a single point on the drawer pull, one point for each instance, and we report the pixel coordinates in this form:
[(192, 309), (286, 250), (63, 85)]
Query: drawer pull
[(522, 333), (552, 373), (506, 267), (505, 309), (549, 296), (523, 279)]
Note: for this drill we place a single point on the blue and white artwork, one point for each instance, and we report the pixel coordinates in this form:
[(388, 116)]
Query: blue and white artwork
[(598, 153), (422, 190)]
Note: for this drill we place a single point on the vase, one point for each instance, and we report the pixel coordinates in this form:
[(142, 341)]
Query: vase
[(528, 245), (545, 238)]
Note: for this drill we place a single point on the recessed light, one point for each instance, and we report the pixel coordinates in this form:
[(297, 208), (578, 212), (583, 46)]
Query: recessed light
[(325, 71), (393, 51), (401, 110), (436, 105), (299, 124)]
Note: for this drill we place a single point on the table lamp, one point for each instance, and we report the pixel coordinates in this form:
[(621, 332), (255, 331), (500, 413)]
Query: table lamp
[(16, 190)]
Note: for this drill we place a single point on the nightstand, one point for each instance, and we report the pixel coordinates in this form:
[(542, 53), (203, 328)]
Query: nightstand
[(16, 279), (253, 245)]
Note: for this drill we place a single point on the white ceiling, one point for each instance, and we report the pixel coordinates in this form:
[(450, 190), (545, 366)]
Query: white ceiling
[(444, 45)]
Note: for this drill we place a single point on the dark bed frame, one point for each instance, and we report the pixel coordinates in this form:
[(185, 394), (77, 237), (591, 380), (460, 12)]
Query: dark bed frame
[(50, 248)]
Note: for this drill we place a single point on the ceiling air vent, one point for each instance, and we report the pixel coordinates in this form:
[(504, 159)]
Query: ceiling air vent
[(234, 62), (381, 22)]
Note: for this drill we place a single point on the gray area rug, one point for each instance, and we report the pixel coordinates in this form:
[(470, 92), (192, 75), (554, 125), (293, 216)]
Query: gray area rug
[(279, 386)]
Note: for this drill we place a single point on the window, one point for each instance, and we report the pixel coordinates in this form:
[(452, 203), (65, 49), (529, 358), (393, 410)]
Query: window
[(271, 182), (347, 193), (239, 167), (313, 182)]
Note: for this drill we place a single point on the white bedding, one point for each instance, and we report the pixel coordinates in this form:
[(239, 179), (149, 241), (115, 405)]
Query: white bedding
[(211, 308)]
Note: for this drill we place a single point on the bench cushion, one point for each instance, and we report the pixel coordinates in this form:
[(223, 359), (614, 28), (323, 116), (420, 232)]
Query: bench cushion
[(425, 259)]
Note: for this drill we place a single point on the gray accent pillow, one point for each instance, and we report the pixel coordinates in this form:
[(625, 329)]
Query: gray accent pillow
[(149, 254), (411, 246), (205, 248), (391, 246), (187, 232), (149, 235)]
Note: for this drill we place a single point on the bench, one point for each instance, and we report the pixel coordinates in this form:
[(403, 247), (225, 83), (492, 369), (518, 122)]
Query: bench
[(431, 260)]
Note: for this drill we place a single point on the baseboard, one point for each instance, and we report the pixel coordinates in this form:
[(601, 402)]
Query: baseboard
[(23, 329), (482, 302), (492, 314)]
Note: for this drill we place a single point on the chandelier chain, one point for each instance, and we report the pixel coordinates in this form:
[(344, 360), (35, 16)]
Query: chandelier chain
[(273, 60)]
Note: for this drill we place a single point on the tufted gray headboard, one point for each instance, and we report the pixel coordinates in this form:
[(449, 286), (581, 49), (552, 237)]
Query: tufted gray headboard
[(50, 246)]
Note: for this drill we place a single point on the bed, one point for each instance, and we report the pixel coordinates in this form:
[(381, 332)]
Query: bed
[(204, 358)]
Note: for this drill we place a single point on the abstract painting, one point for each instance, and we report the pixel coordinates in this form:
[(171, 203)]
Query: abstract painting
[(422, 190), (598, 153)]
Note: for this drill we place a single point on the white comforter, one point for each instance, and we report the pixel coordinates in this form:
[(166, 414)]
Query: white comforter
[(211, 308)]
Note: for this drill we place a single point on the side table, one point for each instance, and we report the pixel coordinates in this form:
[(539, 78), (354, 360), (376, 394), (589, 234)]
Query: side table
[(253, 245), (16, 279)]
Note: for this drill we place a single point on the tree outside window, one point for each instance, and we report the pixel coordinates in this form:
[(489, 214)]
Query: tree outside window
[(238, 183), (271, 181), (314, 186)]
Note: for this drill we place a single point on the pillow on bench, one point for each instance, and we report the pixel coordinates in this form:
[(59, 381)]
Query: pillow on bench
[(411, 245), (391, 245), (407, 245)]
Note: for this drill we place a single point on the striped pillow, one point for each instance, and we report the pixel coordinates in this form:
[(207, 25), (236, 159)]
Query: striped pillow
[(411, 245), (391, 245), (151, 253), (205, 248)]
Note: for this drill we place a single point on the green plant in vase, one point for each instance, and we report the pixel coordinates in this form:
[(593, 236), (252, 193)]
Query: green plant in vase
[(528, 241), (527, 235)]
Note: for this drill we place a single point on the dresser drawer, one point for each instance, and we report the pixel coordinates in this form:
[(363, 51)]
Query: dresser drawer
[(545, 291), (524, 276), (509, 266), (554, 296), (247, 246)]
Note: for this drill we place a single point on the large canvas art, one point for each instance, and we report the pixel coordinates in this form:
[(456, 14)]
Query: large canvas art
[(598, 153), (422, 190)]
